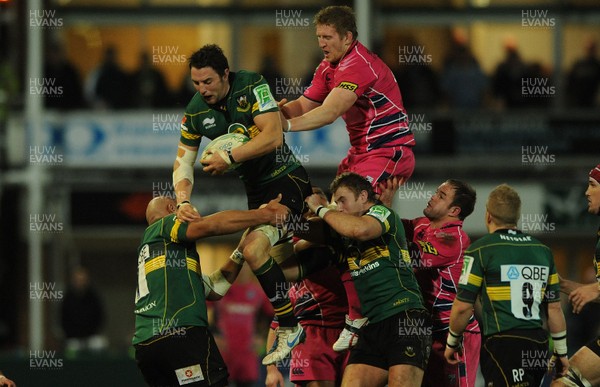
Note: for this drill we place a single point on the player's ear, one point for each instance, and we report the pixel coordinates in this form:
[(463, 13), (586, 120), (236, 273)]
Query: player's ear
[(364, 196), (454, 211), (226, 74)]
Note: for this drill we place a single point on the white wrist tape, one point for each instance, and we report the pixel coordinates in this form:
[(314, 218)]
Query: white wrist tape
[(453, 340), (220, 284), (208, 284), (185, 170), (237, 257), (321, 211), (560, 342)]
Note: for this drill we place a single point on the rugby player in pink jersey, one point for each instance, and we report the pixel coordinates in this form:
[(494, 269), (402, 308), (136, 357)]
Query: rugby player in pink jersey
[(353, 83), (437, 254)]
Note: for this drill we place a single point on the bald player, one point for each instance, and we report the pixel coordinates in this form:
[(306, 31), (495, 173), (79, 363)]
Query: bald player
[(172, 343)]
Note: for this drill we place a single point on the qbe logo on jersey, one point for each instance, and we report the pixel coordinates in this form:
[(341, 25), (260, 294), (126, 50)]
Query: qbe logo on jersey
[(527, 286)]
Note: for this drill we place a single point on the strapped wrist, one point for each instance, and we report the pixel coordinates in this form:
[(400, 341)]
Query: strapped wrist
[(321, 211), (453, 340), (182, 203), (560, 343)]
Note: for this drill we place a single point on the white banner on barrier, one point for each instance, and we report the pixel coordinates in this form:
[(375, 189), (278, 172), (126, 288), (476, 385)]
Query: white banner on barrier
[(149, 139)]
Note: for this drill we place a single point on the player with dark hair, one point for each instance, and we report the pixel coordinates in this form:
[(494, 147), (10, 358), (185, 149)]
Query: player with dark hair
[(438, 242), (585, 363), (514, 275), (242, 101), (394, 347), (172, 343), (353, 83)]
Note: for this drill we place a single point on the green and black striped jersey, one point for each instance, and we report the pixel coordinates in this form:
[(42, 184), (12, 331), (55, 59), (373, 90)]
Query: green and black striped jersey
[(249, 96), (381, 268), (170, 290), (514, 273)]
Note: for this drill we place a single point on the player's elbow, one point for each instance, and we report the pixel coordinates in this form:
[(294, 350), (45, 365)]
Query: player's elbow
[(202, 229), (277, 141), (362, 233)]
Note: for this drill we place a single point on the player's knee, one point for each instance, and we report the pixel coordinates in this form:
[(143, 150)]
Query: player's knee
[(573, 378), (255, 248)]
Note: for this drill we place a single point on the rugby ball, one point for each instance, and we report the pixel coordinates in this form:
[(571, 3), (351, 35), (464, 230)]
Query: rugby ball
[(224, 143)]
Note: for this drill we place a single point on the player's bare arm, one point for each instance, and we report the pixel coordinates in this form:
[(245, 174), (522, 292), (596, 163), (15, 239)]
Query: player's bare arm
[(361, 228), (459, 319), (270, 137), (297, 107), (221, 279), (231, 221), (567, 286), (583, 295), (389, 189), (183, 182), (338, 101), (558, 329)]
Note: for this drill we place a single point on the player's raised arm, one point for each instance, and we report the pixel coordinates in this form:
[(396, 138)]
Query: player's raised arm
[(183, 181)]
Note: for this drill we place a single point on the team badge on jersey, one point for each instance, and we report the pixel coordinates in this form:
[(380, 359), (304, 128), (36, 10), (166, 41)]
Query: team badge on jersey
[(348, 86), (379, 212), (243, 104), (264, 97)]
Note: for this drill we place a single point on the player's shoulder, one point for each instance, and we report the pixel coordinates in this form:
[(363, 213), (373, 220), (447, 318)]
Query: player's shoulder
[(482, 243), (382, 212), (196, 105), (247, 78)]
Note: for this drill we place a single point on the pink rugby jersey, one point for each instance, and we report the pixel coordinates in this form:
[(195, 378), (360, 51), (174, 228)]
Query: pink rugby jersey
[(378, 118), (437, 257)]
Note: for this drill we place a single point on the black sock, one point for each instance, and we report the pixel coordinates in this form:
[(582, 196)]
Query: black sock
[(271, 278)]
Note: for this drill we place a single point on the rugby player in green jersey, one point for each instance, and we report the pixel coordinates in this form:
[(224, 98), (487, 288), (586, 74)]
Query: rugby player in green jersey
[(172, 343), (394, 346), (585, 363), (227, 100), (515, 277)]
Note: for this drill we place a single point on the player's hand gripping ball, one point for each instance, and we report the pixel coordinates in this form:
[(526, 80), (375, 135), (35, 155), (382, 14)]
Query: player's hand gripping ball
[(221, 145)]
